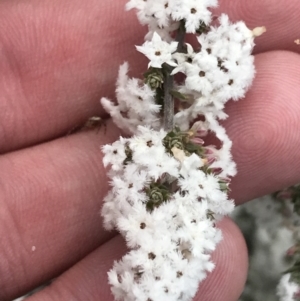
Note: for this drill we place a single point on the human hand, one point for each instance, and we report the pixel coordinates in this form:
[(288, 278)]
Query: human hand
[(57, 59)]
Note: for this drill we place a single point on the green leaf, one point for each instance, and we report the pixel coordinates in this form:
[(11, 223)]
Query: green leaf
[(178, 95)]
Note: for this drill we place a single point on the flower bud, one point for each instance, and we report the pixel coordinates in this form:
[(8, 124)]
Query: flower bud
[(258, 31)]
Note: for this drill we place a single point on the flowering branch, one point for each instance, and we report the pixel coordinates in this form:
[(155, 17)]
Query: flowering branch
[(181, 36), (168, 187)]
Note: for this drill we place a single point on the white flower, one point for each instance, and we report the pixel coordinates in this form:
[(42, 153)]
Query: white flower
[(156, 14), (129, 190), (135, 104), (149, 152), (194, 12), (183, 59), (204, 76), (147, 137), (160, 11), (151, 11), (158, 51), (114, 154)]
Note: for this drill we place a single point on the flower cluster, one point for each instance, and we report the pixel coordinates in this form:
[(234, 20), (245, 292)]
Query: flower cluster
[(165, 199), (169, 186), (163, 16), (223, 69), (136, 104)]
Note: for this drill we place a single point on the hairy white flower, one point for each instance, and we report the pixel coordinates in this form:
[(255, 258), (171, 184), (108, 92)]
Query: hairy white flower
[(160, 12), (149, 152), (184, 60), (114, 154), (156, 14), (151, 11), (203, 75), (158, 51), (136, 104), (193, 12)]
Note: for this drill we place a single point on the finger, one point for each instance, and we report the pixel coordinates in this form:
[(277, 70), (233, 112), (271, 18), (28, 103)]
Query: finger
[(57, 59), (280, 17), (87, 280), (265, 128), (50, 198)]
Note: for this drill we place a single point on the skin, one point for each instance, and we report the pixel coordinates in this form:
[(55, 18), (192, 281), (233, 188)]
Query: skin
[(57, 58)]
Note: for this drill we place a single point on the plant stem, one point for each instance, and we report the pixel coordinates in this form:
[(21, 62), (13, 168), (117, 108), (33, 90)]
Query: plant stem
[(168, 102), (169, 83), (180, 37)]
